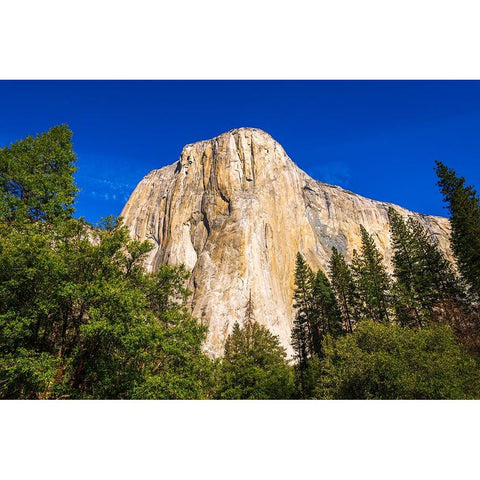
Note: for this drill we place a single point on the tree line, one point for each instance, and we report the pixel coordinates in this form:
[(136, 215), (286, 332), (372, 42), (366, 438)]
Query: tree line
[(420, 322), (80, 318), (363, 332)]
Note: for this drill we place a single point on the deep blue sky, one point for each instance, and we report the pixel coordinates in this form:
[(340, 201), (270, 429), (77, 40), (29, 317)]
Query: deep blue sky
[(376, 138)]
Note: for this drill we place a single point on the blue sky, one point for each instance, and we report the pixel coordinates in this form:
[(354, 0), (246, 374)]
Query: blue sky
[(376, 138)]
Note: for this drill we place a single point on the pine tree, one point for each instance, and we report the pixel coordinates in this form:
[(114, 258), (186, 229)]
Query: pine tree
[(411, 290), (371, 280), (254, 365), (302, 341), (343, 287), (317, 315), (249, 319), (306, 337), (328, 317), (464, 206), (424, 278)]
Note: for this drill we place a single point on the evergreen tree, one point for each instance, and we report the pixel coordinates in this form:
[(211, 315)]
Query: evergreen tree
[(424, 277), (371, 280), (302, 333), (254, 365), (343, 287), (306, 336), (249, 319), (464, 206), (328, 318), (317, 315)]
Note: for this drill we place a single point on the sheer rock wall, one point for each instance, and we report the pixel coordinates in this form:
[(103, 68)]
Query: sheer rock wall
[(235, 210)]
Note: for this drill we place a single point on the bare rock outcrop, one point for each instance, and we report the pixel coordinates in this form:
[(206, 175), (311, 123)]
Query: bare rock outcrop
[(235, 210)]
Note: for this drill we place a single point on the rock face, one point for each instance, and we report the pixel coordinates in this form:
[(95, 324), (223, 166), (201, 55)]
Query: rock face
[(235, 210)]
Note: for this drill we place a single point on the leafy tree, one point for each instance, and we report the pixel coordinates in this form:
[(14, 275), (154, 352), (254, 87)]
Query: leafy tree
[(371, 280), (343, 287), (254, 365), (36, 177), (79, 316), (464, 206), (387, 361), (425, 279), (76, 307)]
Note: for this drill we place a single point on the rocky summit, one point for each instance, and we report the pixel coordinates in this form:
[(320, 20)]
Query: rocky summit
[(235, 210)]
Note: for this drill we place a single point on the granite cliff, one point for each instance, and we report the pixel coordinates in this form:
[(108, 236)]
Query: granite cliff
[(235, 210)]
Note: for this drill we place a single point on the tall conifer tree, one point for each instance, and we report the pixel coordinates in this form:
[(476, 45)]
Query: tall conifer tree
[(254, 365), (464, 206), (317, 315), (371, 280), (302, 335), (424, 278), (343, 287), (329, 319)]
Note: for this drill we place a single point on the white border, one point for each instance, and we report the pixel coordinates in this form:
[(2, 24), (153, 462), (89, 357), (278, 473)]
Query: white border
[(252, 39)]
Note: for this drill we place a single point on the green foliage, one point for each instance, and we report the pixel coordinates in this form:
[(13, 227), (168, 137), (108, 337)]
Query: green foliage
[(371, 280), (36, 177), (464, 206), (328, 317), (79, 316), (387, 361), (302, 338), (343, 287), (306, 377), (76, 300), (254, 365), (317, 314), (424, 278)]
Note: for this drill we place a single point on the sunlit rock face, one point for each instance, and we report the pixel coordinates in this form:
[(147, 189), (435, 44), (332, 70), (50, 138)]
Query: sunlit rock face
[(235, 210)]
